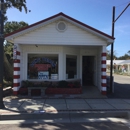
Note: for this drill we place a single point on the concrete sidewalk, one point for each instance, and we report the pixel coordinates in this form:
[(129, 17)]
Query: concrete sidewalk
[(21, 105), (61, 109)]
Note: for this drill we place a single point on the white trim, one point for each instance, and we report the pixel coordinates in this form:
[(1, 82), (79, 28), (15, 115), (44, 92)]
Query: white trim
[(16, 81), (103, 73), (103, 49), (103, 65), (16, 64), (18, 57), (104, 81), (61, 43), (16, 88), (104, 58), (16, 73), (104, 89)]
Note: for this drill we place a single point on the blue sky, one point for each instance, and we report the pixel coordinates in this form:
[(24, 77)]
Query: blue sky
[(95, 13)]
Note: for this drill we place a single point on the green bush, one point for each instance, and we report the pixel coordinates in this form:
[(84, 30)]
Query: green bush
[(63, 84)]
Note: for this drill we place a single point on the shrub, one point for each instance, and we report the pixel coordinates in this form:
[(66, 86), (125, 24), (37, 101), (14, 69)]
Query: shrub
[(77, 84), (26, 83), (63, 84)]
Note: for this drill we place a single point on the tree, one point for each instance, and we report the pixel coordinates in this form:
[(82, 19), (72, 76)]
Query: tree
[(10, 27), (109, 55), (8, 48), (8, 61), (124, 57), (18, 4), (128, 52), (13, 26)]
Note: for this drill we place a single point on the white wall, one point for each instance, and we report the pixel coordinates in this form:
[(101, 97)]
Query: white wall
[(50, 35)]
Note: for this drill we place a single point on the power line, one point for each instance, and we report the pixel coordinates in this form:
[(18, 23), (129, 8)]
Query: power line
[(122, 4)]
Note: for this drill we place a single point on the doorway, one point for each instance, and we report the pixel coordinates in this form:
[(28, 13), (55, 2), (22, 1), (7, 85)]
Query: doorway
[(87, 70)]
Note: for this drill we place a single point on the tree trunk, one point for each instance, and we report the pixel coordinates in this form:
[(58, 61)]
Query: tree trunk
[(8, 69)]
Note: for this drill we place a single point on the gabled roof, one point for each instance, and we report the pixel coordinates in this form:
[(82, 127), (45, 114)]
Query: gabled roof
[(58, 16)]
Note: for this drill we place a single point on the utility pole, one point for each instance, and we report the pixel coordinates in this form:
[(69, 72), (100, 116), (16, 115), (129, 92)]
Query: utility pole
[(1, 53), (112, 45)]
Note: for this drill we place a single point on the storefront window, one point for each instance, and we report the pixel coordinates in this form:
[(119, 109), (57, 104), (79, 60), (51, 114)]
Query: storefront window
[(42, 66), (71, 67)]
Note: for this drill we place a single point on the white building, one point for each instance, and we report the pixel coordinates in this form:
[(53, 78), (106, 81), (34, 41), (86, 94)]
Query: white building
[(119, 65), (61, 45)]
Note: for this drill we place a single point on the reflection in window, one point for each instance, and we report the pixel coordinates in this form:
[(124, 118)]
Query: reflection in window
[(71, 67), (42, 66)]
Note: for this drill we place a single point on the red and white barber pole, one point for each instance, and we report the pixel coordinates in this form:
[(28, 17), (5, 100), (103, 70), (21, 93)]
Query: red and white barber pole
[(16, 74), (103, 72)]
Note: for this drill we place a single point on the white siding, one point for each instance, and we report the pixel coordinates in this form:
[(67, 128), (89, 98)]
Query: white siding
[(50, 35)]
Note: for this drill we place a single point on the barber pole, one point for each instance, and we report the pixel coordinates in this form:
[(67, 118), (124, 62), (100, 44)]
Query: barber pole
[(103, 72), (16, 75)]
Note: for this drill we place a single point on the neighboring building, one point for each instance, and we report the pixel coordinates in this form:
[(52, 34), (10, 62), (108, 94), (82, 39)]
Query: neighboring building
[(116, 64), (126, 64), (119, 66), (61, 48)]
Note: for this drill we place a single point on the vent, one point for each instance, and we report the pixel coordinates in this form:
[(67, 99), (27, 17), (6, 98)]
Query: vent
[(61, 26)]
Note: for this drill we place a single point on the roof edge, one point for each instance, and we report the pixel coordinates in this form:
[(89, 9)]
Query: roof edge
[(66, 16)]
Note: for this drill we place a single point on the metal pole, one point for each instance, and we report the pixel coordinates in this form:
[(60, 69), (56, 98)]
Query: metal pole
[(112, 46), (1, 53)]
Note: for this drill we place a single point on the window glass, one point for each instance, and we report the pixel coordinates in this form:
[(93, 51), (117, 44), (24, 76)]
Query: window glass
[(42, 66), (71, 67)]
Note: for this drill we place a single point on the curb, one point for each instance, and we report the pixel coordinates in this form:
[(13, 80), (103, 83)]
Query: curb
[(65, 115)]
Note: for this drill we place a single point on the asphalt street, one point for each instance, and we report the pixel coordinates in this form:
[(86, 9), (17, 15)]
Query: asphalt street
[(67, 126), (121, 87)]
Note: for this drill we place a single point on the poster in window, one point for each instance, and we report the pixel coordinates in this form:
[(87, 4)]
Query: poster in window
[(43, 75)]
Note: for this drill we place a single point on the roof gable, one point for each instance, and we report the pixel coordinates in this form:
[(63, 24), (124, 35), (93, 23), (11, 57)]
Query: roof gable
[(51, 35), (54, 18)]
